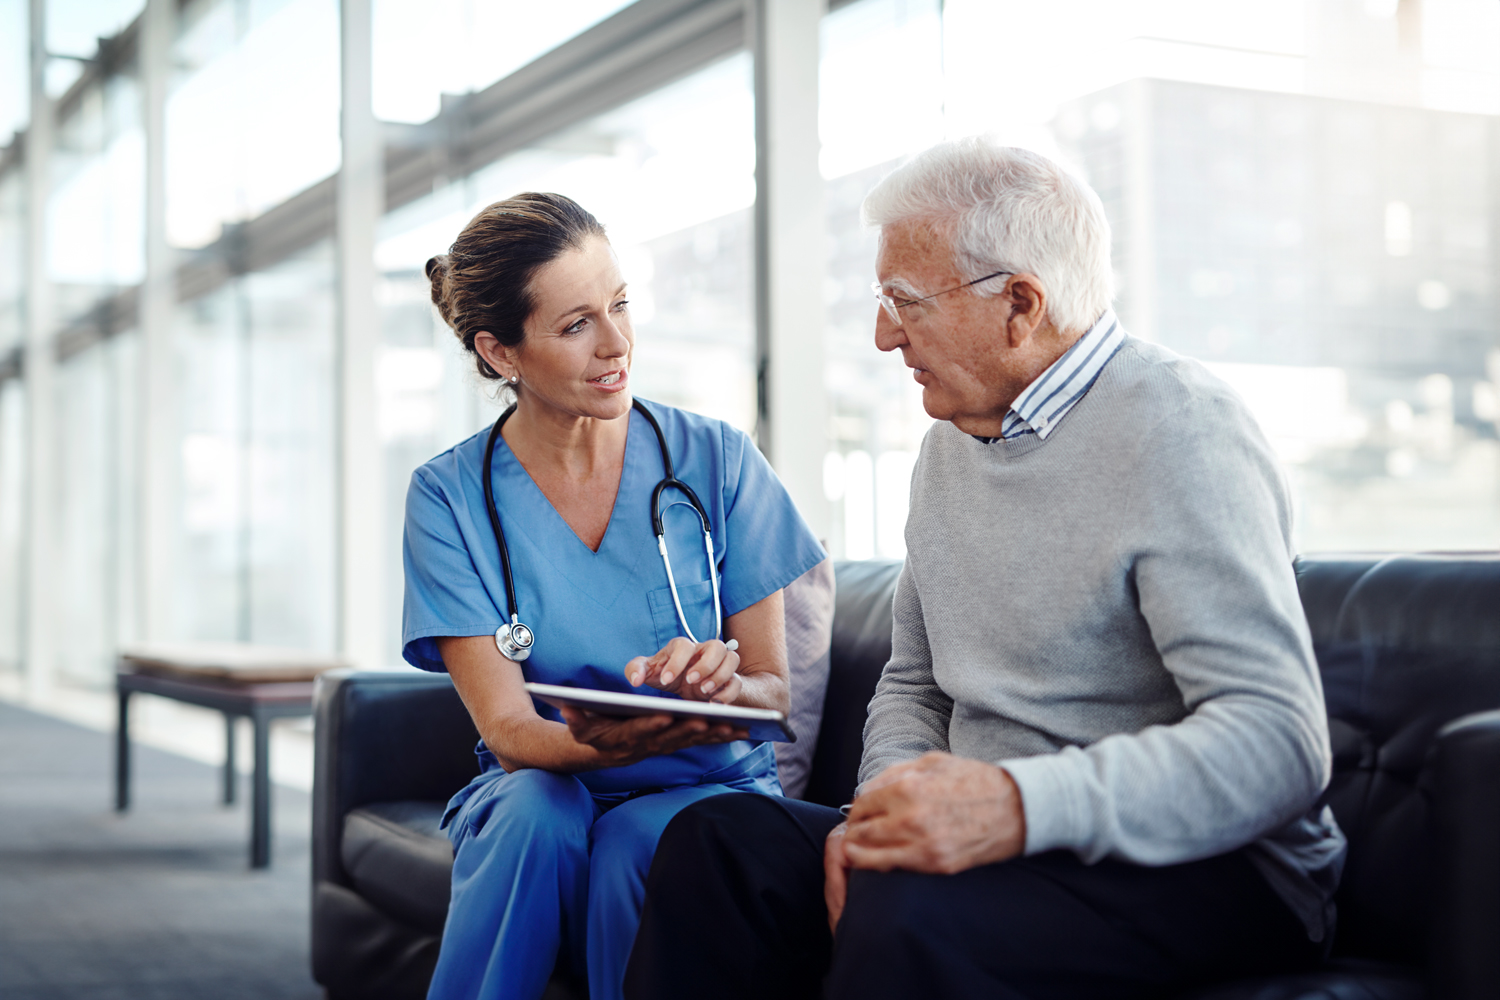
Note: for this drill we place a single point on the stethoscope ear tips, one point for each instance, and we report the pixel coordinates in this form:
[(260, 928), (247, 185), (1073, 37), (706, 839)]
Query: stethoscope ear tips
[(514, 641)]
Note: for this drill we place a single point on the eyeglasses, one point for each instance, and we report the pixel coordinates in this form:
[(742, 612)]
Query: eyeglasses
[(891, 303)]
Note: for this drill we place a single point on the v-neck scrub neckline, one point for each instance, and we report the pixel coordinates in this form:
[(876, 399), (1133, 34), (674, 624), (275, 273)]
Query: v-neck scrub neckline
[(503, 449), (594, 610)]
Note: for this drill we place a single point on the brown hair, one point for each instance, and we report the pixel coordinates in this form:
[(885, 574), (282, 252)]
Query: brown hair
[(483, 282)]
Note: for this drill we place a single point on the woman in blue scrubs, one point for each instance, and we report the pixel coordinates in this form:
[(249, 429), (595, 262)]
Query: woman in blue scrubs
[(552, 841)]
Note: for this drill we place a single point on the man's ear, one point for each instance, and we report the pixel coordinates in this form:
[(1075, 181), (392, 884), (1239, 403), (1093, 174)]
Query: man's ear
[(1028, 308)]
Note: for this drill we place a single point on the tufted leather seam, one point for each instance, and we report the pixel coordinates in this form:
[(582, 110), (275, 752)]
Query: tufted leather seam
[(1369, 754), (1366, 650)]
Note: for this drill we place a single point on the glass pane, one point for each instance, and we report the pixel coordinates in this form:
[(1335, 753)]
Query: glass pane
[(74, 27), (96, 487), (881, 99), (427, 48), (12, 261), (12, 504), (15, 85), (1332, 261), (671, 176), (291, 462), (254, 116), (82, 415), (880, 83), (258, 458), (212, 335), (96, 215)]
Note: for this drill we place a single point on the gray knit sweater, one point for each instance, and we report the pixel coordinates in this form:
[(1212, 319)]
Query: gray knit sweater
[(1111, 615)]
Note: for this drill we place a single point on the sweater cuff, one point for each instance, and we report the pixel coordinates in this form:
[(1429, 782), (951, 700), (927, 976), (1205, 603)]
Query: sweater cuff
[(1055, 814)]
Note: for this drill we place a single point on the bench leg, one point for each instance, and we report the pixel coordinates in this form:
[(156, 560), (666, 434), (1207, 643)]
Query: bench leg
[(229, 775), (260, 794), (122, 754)]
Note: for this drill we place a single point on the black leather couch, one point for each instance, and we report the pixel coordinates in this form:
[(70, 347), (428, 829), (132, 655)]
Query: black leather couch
[(1409, 648)]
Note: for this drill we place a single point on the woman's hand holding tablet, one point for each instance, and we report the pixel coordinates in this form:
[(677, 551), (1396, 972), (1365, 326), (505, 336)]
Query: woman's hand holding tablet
[(628, 739)]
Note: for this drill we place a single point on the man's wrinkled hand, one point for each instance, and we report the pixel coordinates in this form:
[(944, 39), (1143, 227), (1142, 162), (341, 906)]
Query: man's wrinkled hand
[(938, 814)]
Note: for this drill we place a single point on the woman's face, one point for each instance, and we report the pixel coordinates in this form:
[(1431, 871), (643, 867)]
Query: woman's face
[(575, 358)]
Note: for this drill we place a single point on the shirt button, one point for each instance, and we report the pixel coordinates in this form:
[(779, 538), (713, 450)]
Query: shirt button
[(1041, 423)]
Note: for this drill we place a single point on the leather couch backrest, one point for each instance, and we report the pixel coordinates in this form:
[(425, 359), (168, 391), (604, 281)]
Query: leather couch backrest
[(389, 738), (861, 646), (1412, 644), (1405, 644)]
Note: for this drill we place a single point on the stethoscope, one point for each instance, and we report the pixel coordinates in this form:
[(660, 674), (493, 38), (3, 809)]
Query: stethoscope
[(515, 639)]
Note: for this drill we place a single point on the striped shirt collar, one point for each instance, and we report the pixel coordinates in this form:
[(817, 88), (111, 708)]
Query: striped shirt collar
[(1041, 405)]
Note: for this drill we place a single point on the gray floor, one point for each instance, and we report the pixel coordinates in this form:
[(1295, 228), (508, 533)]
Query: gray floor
[(155, 904)]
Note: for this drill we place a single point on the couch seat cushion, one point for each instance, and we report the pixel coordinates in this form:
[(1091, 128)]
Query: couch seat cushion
[(399, 860)]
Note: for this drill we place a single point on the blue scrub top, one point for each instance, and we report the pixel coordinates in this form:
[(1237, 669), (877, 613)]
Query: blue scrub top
[(593, 611)]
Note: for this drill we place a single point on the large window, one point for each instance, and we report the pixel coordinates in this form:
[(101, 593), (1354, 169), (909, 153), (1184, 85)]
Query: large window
[(671, 177), (1331, 260), (1302, 194)]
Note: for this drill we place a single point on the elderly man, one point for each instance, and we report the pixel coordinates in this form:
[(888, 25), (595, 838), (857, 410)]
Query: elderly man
[(1093, 762)]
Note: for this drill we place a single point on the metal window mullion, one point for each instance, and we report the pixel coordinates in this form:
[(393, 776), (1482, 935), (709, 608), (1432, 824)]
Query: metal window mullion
[(158, 469), (790, 251), (39, 369), (362, 548)]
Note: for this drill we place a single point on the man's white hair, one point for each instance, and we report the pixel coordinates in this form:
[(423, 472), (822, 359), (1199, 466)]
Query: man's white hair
[(1007, 209)]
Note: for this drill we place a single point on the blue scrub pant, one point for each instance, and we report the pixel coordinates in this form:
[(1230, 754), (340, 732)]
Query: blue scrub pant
[(541, 862)]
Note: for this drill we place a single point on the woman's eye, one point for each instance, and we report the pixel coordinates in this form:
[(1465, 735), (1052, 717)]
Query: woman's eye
[(620, 305), (576, 326)]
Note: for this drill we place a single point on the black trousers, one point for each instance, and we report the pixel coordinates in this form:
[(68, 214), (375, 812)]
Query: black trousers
[(734, 908)]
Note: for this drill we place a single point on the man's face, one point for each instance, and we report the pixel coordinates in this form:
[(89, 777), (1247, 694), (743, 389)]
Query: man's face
[(955, 343)]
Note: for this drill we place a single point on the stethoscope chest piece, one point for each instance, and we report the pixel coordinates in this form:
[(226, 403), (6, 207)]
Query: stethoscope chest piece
[(514, 641)]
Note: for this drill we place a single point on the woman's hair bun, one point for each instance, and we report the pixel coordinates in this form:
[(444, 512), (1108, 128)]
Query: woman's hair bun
[(483, 283), (437, 273)]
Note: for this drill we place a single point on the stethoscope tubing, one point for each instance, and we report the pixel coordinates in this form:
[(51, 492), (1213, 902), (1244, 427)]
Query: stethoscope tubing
[(494, 512), (667, 482)]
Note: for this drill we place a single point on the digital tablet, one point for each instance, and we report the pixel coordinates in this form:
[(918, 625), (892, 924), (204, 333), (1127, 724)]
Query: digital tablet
[(763, 723)]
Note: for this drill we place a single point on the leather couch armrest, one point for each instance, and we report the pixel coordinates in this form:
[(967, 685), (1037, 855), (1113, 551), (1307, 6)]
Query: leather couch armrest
[(383, 736), (1464, 959)]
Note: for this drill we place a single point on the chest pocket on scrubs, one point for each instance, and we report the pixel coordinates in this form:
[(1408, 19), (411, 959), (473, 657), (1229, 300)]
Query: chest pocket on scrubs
[(697, 608)]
